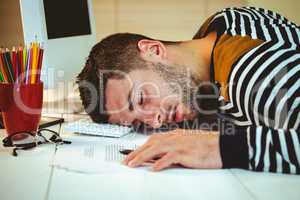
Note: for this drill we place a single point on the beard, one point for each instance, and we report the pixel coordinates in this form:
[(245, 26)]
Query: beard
[(191, 91), (180, 81)]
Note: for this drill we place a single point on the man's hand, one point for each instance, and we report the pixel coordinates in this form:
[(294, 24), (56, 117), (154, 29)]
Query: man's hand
[(188, 148)]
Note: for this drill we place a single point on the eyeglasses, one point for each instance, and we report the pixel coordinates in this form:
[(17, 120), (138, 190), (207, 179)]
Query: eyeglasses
[(28, 140)]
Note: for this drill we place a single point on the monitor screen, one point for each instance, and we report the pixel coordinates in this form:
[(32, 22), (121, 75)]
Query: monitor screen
[(65, 18)]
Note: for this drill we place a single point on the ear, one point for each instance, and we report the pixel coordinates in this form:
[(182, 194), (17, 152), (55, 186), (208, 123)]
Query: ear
[(152, 50)]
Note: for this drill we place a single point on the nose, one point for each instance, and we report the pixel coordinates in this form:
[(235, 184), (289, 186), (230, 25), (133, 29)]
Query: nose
[(155, 119)]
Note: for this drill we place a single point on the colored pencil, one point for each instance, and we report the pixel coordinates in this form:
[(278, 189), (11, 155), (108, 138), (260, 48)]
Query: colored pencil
[(18, 63), (28, 68), (21, 65), (27, 61), (7, 61), (5, 67), (41, 53), (15, 64), (2, 68), (1, 72), (1, 77), (24, 59), (34, 62)]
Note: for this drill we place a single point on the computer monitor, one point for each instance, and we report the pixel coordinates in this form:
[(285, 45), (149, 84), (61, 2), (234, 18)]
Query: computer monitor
[(66, 18), (66, 28)]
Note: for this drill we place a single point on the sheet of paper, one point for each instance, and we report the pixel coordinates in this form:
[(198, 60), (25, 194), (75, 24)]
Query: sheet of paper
[(100, 156)]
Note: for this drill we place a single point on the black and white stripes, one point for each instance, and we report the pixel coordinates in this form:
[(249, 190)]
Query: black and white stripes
[(259, 24), (271, 150), (264, 88)]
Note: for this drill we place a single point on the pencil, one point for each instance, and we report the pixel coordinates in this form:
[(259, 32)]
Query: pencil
[(28, 66), (39, 68), (6, 56), (1, 73), (2, 68), (18, 65), (14, 64), (1, 78), (20, 62), (27, 63), (24, 59), (33, 65)]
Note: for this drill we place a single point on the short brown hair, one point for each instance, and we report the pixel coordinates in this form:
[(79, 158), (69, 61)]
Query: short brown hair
[(115, 52)]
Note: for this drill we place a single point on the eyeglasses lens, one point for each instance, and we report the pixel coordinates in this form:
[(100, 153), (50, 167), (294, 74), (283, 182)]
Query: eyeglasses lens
[(22, 139)]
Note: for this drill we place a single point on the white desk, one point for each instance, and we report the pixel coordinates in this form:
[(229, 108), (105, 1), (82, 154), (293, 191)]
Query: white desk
[(31, 176)]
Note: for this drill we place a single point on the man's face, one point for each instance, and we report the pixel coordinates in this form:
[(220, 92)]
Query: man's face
[(156, 96)]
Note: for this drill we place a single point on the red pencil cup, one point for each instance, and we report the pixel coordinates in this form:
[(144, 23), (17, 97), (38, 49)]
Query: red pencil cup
[(21, 106), (1, 122)]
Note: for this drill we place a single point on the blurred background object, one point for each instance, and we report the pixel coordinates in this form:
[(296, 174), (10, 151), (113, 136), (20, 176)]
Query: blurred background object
[(172, 19), (167, 19)]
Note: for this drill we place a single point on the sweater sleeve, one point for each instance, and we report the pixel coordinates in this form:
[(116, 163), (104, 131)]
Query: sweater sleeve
[(262, 149)]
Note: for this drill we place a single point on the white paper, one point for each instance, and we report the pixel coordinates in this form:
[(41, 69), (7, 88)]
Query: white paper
[(101, 156)]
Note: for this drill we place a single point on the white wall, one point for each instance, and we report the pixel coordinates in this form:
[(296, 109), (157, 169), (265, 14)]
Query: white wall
[(161, 19)]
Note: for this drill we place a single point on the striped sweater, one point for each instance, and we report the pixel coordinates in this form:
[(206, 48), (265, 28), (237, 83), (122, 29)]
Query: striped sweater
[(256, 63)]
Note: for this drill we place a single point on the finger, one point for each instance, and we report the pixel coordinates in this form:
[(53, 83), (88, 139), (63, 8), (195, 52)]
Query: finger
[(147, 164), (147, 144), (134, 153), (166, 161), (145, 156)]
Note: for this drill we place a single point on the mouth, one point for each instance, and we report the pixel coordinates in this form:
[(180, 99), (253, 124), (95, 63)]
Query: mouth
[(171, 114), (178, 115), (174, 115)]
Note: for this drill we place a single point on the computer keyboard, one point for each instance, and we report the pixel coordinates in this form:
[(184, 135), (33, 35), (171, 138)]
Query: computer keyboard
[(87, 127)]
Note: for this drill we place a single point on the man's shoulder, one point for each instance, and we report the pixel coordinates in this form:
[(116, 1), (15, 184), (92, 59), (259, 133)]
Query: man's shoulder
[(218, 21), (257, 23)]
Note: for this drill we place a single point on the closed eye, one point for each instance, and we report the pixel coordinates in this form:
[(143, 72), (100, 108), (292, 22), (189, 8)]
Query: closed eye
[(141, 98)]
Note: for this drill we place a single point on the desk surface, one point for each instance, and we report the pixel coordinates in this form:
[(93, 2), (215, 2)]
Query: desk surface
[(32, 176)]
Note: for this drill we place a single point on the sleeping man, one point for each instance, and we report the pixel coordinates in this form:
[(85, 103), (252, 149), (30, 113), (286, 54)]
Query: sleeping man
[(242, 67)]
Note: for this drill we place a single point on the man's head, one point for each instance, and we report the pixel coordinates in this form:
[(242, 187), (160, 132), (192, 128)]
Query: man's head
[(130, 78)]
